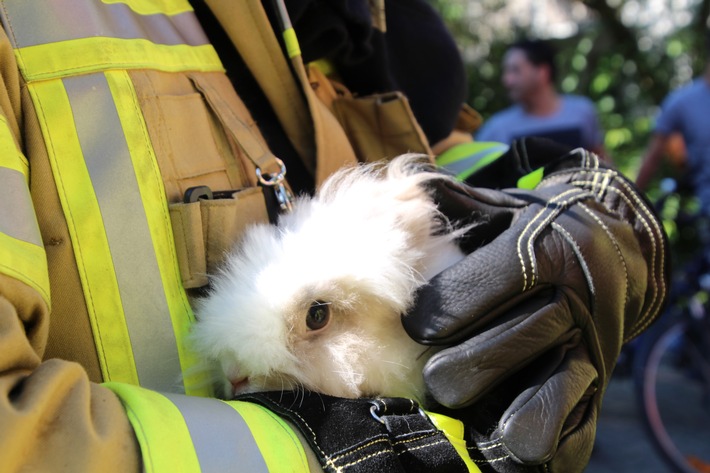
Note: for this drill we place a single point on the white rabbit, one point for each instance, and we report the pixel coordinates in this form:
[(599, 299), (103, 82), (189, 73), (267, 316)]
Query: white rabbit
[(315, 302)]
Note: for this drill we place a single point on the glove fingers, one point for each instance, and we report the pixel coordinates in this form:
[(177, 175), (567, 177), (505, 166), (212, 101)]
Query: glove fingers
[(446, 311), (545, 414), (459, 375)]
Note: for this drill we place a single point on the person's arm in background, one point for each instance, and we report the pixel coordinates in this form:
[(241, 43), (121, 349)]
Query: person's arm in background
[(667, 123), (600, 151), (652, 160)]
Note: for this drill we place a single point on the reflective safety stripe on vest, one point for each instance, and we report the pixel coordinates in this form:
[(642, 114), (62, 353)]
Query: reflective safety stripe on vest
[(82, 36), (22, 254), (181, 433), (465, 159), (106, 172)]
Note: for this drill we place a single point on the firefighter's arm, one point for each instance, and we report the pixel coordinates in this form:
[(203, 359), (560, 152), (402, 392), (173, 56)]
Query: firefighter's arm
[(52, 415)]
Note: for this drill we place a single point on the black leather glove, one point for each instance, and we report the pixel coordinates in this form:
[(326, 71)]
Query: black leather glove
[(534, 317)]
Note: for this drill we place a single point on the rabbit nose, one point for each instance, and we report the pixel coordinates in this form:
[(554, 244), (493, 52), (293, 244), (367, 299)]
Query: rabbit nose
[(238, 384)]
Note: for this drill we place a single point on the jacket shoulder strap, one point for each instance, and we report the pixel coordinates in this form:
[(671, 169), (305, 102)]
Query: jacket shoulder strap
[(314, 131)]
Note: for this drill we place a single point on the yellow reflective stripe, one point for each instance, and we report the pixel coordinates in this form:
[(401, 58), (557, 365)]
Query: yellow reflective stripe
[(465, 159), (10, 156), (454, 431), (86, 228), (532, 179), (221, 437), (25, 262), (108, 161), (166, 7), (281, 448), (34, 22), (163, 435), (85, 55), (22, 260), (156, 210)]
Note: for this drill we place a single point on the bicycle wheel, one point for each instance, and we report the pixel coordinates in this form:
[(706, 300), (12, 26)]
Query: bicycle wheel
[(673, 388)]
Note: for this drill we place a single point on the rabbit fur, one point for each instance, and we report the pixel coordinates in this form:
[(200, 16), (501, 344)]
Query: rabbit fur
[(353, 255)]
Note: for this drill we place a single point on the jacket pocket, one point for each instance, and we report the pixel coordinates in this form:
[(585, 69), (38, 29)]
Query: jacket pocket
[(206, 230), (377, 126), (191, 145)]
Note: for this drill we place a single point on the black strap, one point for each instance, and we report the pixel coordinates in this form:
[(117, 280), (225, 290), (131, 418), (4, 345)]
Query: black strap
[(365, 435)]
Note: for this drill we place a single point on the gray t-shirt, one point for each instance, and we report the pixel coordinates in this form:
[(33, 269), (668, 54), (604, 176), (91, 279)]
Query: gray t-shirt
[(687, 111), (574, 124)]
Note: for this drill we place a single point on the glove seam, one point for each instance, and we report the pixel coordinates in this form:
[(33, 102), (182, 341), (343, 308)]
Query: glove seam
[(643, 217), (659, 292), (615, 242), (496, 443), (587, 161), (553, 213), (578, 251)]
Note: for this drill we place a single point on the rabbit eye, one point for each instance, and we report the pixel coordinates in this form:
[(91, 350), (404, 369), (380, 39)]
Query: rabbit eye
[(318, 315)]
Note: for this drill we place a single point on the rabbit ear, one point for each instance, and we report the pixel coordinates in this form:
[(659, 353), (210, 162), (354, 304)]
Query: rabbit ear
[(430, 231)]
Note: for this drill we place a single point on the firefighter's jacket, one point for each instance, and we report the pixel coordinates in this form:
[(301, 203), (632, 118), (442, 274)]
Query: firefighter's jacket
[(109, 111)]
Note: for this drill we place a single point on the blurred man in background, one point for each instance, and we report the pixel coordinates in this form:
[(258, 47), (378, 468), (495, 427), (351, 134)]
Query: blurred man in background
[(529, 75)]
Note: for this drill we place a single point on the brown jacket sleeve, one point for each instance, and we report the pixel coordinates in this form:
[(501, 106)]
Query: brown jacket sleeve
[(51, 417)]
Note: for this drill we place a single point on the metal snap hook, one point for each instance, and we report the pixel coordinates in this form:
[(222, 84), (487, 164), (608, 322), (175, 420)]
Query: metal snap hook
[(374, 411), (276, 182)]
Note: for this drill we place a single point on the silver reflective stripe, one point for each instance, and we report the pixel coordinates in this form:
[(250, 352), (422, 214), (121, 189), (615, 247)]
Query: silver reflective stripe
[(464, 164), (139, 281), (37, 22), (17, 216), (222, 439)]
